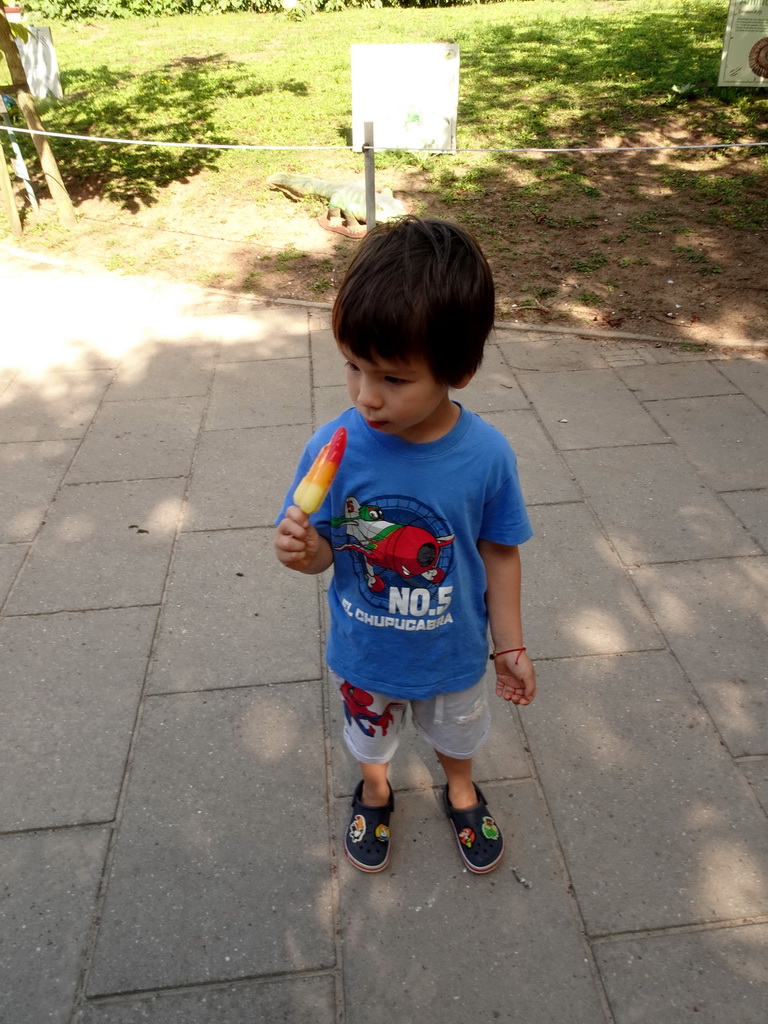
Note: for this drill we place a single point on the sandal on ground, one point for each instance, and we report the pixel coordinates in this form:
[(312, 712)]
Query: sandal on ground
[(481, 843), (367, 842)]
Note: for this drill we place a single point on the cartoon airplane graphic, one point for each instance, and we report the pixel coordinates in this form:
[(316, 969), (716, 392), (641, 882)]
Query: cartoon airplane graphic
[(407, 550)]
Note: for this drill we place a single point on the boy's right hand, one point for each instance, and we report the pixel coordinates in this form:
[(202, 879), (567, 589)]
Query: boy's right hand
[(515, 677), (297, 542)]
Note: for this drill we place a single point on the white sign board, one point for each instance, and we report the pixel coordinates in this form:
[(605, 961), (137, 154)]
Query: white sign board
[(39, 59), (745, 47), (410, 91)]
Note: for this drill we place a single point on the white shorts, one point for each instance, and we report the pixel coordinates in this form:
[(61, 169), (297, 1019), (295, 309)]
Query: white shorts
[(455, 724)]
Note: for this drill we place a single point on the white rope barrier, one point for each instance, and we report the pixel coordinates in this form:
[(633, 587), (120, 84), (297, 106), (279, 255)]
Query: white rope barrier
[(616, 149), (381, 149), (157, 142)]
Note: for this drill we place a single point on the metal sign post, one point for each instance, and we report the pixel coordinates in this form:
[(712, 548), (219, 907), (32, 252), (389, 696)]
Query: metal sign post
[(370, 176)]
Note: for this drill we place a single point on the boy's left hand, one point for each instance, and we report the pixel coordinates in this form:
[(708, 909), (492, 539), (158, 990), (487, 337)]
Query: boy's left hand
[(515, 682)]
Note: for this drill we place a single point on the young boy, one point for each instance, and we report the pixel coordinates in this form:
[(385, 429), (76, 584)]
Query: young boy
[(422, 526)]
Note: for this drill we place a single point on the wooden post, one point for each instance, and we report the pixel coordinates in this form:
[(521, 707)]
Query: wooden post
[(28, 108), (17, 160), (8, 201)]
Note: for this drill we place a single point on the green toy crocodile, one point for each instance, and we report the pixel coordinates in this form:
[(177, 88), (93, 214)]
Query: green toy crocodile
[(346, 198)]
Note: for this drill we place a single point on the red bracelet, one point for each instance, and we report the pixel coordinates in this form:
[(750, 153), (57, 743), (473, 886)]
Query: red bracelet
[(512, 650)]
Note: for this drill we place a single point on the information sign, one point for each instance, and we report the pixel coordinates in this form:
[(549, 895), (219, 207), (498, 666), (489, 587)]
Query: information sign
[(745, 47), (410, 91)]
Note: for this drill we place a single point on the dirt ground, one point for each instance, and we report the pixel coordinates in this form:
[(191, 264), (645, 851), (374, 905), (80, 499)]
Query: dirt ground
[(606, 242)]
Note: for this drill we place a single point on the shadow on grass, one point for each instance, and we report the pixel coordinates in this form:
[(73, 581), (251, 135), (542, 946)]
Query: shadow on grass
[(612, 232), (581, 77), (580, 221), (173, 103), (561, 230), (578, 80)]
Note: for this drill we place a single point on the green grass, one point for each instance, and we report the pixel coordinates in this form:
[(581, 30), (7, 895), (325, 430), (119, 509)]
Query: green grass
[(691, 255), (698, 256), (287, 256), (557, 228), (540, 73), (633, 261), (589, 264)]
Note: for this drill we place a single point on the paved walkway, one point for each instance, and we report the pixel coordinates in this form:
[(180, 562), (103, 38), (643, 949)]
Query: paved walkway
[(173, 783)]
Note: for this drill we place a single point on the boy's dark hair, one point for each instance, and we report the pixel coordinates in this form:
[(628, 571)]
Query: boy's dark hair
[(417, 289)]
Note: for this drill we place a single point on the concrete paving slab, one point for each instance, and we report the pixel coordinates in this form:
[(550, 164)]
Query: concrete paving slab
[(756, 771), (241, 476), (493, 388), (329, 402), (320, 315), (750, 376), (166, 314), (415, 765), (752, 509), (709, 976), (50, 884), (536, 351), (630, 353), (70, 689), (102, 546), (31, 472), (672, 353), (211, 900), (327, 361), (73, 334), (234, 616), (256, 330), (655, 508), (51, 407), (656, 824), (289, 1000), (543, 474), (576, 598), (589, 409), (164, 370), (260, 394), (11, 557), (714, 615), (726, 438), (210, 881), (319, 319), (665, 353), (675, 380), (494, 934), (139, 440), (618, 362), (7, 376)]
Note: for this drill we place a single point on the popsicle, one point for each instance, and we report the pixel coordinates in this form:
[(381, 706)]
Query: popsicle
[(312, 489)]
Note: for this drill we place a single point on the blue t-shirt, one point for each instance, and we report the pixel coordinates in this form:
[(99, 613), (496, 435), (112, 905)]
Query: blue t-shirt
[(407, 600)]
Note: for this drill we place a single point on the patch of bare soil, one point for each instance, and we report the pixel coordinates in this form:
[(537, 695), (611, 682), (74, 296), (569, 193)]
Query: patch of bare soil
[(666, 244)]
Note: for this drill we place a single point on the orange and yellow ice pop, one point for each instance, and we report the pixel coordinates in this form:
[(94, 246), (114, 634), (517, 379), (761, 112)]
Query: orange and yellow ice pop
[(312, 489)]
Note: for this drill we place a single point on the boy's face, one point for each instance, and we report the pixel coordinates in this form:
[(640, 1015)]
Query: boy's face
[(400, 398)]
